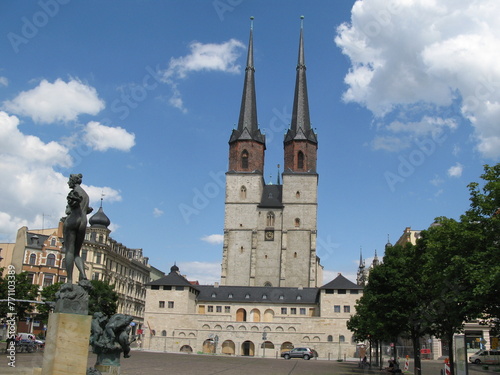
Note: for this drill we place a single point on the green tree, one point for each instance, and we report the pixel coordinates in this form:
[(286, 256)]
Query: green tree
[(18, 287), (102, 298), (48, 294)]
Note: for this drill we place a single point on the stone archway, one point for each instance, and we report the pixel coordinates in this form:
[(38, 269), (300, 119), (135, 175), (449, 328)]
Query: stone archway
[(208, 346), (241, 315), (228, 347), (186, 349), (248, 348), (287, 345)]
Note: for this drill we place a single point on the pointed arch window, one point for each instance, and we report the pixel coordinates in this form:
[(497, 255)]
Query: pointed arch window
[(244, 159), (300, 160), (243, 192), (270, 219)]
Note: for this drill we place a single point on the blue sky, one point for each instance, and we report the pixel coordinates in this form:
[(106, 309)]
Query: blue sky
[(141, 97)]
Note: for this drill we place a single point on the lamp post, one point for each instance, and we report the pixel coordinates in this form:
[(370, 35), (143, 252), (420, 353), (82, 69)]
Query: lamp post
[(264, 338)]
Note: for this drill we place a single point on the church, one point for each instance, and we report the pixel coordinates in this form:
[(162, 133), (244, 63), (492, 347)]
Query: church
[(271, 295)]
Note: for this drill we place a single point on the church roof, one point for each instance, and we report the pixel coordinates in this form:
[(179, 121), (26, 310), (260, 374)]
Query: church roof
[(340, 282), (271, 196), (255, 294), (300, 127), (248, 127)]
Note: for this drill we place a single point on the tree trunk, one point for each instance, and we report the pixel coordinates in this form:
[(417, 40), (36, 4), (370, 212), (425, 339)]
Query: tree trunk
[(417, 362), (452, 356)]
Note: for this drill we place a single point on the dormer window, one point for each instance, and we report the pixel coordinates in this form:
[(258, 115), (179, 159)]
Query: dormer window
[(214, 295), (247, 296)]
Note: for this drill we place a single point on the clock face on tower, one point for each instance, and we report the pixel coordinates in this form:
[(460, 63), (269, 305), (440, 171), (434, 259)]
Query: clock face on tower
[(269, 235)]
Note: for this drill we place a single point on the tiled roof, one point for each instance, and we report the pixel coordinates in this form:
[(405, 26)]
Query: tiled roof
[(340, 282), (255, 294)]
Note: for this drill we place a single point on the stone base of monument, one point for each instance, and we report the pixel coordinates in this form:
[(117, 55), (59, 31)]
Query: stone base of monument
[(67, 344), (108, 369), (109, 362)]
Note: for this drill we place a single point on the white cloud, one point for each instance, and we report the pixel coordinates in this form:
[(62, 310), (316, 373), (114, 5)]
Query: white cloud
[(33, 192), (410, 55), (390, 143), (214, 239), (211, 57), (102, 137), (436, 181), (203, 57), (54, 102), (157, 212), (4, 81), (456, 170), (205, 273)]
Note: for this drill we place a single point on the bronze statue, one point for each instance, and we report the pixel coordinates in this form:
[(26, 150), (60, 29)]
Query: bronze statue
[(75, 226), (110, 337)]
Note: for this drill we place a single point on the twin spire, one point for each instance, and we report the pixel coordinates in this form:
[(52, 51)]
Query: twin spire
[(248, 126), (300, 128)]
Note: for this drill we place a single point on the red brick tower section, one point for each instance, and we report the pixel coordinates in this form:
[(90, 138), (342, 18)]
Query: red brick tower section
[(247, 144), (301, 143)]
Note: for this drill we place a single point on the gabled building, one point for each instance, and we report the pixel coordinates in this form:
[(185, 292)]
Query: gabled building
[(41, 254), (250, 321), (271, 296)]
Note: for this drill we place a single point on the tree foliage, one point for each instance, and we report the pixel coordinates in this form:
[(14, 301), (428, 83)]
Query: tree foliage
[(451, 276), (16, 286), (103, 298)]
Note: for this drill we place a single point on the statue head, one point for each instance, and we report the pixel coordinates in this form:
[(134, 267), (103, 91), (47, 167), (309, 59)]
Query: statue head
[(75, 179)]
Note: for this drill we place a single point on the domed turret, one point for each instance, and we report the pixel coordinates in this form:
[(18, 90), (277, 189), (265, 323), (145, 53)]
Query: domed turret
[(99, 219)]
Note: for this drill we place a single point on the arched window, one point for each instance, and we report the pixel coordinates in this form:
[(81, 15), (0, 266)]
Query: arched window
[(270, 219), (51, 260), (330, 338), (297, 194), (63, 263), (244, 159), (243, 192), (53, 241), (300, 160), (163, 333), (342, 338), (33, 258), (297, 222)]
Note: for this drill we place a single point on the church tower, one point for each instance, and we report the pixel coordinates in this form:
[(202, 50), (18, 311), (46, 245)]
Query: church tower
[(300, 188), (270, 230)]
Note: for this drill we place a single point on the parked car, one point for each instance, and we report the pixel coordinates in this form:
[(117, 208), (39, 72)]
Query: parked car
[(490, 357), (305, 353)]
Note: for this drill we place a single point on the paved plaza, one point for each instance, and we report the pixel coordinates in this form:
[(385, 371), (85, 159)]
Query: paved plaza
[(152, 363)]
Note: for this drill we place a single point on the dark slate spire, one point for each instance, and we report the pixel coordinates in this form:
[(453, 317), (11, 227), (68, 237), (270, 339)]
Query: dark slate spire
[(248, 127), (300, 128)]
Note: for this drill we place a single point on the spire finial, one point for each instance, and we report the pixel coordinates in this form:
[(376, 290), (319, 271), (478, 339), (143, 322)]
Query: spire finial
[(251, 22), (301, 22)]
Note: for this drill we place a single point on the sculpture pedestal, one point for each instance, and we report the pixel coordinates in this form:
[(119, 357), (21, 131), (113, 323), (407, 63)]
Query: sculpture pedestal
[(108, 369), (67, 344)]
